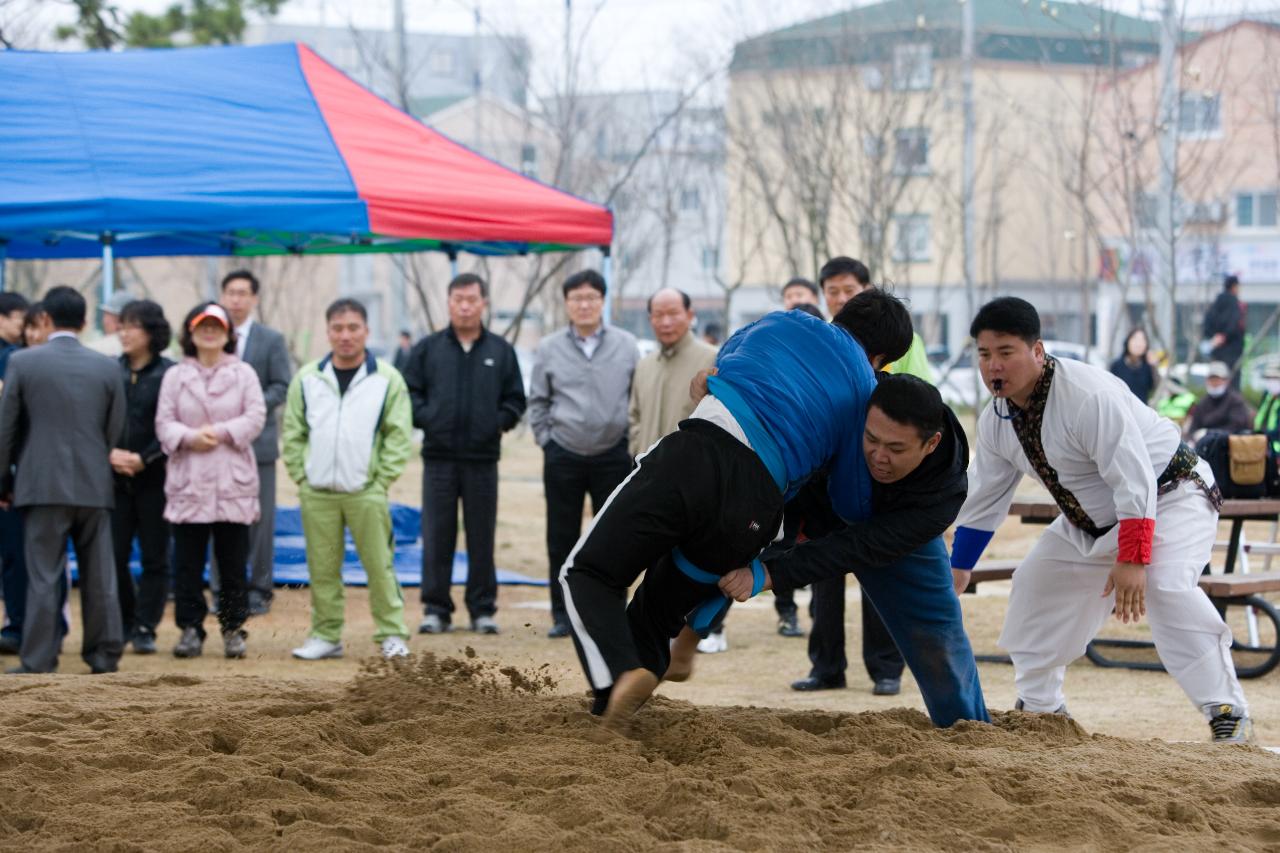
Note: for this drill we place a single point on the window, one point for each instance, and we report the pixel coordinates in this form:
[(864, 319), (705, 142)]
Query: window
[(690, 199), (872, 146), (912, 66), (911, 242), (1134, 58), (1256, 210), (529, 160), (1199, 114), (1147, 210), (870, 235), (710, 258), (872, 78), (911, 151), (441, 62)]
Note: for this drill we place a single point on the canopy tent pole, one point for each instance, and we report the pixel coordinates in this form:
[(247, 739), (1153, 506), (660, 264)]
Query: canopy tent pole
[(108, 267), (4, 257), (453, 262), (606, 270)]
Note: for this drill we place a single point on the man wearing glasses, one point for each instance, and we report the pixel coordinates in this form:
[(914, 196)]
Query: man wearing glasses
[(578, 410)]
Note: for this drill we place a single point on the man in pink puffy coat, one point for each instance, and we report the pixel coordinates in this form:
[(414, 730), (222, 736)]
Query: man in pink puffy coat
[(211, 409)]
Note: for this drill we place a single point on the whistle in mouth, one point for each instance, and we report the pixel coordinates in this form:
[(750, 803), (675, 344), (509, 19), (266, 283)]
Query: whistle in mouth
[(997, 385)]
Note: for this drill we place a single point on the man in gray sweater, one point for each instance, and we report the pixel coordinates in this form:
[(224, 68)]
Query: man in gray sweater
[(578, 411)]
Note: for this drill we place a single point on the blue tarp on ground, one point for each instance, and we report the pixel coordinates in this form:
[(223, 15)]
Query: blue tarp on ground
[(291, 555)]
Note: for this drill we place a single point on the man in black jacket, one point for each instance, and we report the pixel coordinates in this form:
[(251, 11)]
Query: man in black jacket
[(917, 454), (466, 389), (1224, 326)]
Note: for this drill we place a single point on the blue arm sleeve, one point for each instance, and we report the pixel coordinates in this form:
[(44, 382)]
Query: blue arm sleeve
[(968, 547)]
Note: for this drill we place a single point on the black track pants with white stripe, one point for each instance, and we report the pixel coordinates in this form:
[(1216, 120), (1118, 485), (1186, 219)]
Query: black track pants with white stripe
[(699, 489)]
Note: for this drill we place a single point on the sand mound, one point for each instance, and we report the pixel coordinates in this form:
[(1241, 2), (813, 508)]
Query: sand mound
[(459, 754)]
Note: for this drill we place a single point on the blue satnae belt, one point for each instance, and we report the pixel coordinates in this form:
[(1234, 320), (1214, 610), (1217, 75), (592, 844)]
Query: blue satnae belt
[(705, 614)]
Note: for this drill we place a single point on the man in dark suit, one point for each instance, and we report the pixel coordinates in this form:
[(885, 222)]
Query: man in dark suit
[(61, 412), (264, 349)]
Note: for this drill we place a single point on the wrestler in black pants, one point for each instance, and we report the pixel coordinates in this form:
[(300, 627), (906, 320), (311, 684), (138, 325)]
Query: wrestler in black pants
[(784, 601), (826, 640), (699, 489)]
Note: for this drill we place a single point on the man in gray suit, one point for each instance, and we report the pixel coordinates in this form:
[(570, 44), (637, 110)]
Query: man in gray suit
[(61, 412), (263, 348)]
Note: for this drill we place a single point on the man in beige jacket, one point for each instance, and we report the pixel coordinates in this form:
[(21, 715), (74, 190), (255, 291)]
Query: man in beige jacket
[(660, 387)]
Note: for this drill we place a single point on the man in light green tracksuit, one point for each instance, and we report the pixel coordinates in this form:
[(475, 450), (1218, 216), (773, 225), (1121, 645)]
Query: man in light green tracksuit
[(347, 423)]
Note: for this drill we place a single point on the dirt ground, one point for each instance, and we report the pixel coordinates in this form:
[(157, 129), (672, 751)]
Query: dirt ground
[(453, 751)]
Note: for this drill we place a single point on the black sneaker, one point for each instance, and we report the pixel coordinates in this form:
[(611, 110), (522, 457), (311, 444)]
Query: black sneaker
[(233, 645), (259, 605), (789, 626), (806, 685), (1061, 710), (190, 645), (887, 687), (558, 630), (1227, 725), (144, 643)]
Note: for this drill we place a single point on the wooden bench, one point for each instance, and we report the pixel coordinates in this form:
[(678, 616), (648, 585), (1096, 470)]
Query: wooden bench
[(1262, 549), (1235, 590), (1229, 587), (990, 570)]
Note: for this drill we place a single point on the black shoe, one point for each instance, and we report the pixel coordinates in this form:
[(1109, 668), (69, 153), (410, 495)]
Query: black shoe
[(21, 669), (259, 605), (809, 684), (558, 630), (887, 687), (789, 626), (144, 644), (9, 644), (104, 670)]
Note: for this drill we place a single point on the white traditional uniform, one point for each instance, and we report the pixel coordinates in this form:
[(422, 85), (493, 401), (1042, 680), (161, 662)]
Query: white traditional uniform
[(1106, 458)]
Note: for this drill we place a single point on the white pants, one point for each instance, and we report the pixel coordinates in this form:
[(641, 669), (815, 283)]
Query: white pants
[(1056, 607)]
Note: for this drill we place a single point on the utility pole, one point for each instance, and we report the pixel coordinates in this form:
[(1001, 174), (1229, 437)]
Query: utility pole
[(568, 44), (402, 57), (1168, 129), (399, 284), (477, 58), (966, 175)]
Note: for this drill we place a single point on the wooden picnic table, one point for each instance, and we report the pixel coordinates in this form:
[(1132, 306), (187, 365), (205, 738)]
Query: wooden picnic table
[(1224, 590), (1043, 511)]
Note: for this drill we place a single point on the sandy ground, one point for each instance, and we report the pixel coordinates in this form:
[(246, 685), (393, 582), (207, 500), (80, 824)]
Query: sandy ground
[(447, 752)]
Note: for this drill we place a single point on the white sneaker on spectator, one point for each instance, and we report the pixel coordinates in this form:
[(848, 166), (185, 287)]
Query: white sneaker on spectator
[(433, 624), (316, 648), (713, 643), (395, 647)]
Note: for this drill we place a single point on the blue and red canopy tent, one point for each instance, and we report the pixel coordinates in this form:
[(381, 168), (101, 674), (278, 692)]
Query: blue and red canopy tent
[(265, 150)]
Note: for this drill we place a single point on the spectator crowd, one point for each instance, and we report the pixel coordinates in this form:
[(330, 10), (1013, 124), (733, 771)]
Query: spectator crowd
[(179, 455)]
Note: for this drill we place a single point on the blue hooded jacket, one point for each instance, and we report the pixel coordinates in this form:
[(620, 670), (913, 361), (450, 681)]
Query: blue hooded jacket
[(799, 387)]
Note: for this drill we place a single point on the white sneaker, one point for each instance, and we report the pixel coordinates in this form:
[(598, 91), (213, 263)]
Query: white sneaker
[(713, 643), (395, 647), (317, 649)]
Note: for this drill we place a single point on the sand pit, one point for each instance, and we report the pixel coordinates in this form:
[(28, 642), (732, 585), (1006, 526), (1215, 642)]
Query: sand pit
[(455, 753)]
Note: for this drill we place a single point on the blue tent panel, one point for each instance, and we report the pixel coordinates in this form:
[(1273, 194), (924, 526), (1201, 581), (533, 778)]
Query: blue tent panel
[(291, 555)]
